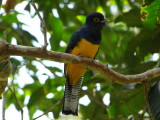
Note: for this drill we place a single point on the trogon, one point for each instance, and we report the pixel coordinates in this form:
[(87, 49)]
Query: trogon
[(84, 42)]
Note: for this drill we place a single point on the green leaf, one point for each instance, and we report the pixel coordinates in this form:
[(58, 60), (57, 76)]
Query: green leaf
[(144, 43), (10, 18), (93, 112), (150, 13), (131, 18), (118, 110), (81, 18), (35, 97), (24, 37), (56, 27), (110, 41), (54, 69), (32, 110), (112, 111), (87, 76)]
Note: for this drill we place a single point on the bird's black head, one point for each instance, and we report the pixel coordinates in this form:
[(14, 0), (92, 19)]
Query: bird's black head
[(96, 20)]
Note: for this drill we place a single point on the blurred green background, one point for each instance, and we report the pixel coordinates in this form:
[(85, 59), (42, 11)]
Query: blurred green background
[(130, 45)]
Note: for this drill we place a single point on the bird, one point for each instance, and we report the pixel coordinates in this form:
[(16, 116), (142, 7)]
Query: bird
[(84, 42)]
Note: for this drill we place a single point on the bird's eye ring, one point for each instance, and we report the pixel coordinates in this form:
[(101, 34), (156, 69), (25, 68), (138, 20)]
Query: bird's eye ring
[(96, 19)]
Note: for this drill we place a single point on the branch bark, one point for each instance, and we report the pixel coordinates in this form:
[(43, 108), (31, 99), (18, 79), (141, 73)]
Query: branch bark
[(17, 50), (5, 68)]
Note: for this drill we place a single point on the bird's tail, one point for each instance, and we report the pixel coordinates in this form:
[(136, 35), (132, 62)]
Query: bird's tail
[(71, 98)]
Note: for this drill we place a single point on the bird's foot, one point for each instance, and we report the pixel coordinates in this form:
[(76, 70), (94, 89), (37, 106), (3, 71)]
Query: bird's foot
[(80, 56)]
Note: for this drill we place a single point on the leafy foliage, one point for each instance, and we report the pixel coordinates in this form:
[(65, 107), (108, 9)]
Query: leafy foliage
[(127, 47), (150, 14)]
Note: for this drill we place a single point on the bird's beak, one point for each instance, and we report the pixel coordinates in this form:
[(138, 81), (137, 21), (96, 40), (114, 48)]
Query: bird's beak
[(105, 20)]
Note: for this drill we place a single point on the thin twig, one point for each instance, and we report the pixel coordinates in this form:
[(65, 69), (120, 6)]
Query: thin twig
[(144, 82), (13, 92), (145, 92), (5, 93), (15, 97), (3, 105), (158, 62), (43, 25), (95, 99), (50, 109)]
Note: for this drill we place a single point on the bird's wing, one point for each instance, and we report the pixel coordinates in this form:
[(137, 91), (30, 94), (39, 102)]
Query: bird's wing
[(73, 41)]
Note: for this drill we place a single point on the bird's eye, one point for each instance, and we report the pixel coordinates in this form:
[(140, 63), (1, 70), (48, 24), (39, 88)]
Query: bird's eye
[(96, 19)]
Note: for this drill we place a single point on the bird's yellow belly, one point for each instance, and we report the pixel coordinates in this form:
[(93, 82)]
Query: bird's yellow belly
[(83, 48)]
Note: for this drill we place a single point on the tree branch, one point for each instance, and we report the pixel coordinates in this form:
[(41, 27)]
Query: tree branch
[(50, 109), (15, 97), (17, 50), (3, 105)]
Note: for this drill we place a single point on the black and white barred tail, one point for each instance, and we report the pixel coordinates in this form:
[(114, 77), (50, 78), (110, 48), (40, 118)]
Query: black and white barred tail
[(71, 98)]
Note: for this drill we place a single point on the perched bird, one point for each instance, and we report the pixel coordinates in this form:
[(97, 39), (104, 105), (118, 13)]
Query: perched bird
[(84, 42)]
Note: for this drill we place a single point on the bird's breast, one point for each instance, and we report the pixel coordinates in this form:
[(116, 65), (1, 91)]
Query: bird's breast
[(85, 48)]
